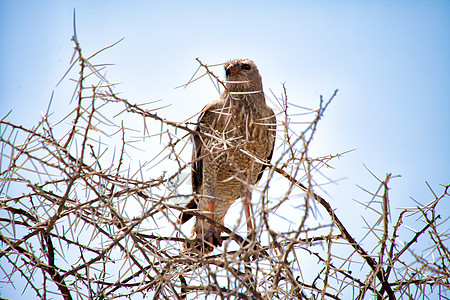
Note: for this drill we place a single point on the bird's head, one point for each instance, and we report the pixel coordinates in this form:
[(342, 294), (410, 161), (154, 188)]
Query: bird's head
[(242, 76)]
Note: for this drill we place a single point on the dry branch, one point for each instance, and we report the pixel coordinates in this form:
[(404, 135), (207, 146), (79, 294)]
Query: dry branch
[(82, 217)]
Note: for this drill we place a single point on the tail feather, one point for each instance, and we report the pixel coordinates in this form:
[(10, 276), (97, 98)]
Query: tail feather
[(184, 217)]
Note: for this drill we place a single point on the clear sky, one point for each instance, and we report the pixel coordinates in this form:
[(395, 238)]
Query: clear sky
[(390, 61)]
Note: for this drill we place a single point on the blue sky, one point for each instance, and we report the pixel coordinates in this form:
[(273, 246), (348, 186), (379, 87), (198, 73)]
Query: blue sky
[(390, 61)]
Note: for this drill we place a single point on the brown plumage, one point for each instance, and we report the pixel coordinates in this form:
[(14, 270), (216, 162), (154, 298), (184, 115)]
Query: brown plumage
[(238, 124)]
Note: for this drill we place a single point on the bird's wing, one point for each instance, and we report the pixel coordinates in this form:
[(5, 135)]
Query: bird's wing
[(271, 142), (206, 120)]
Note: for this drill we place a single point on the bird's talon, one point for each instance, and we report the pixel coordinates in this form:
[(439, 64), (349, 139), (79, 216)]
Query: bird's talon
[(213, 237)]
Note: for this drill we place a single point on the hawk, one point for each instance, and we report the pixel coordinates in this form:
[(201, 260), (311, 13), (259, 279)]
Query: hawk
[(236, 136)]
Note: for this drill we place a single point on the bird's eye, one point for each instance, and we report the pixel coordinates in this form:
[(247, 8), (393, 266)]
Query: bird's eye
[(246, 67)]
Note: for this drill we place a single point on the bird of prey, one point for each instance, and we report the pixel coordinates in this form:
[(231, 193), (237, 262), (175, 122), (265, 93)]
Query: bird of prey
[(236, 136)]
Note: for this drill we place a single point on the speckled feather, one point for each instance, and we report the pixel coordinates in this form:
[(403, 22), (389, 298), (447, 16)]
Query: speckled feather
[(239, 120)]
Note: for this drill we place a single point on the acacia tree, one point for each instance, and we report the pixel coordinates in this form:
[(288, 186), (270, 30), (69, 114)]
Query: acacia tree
[(80, 217)]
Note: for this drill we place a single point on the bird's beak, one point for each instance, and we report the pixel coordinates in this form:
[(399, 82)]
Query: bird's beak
[(233, 70)]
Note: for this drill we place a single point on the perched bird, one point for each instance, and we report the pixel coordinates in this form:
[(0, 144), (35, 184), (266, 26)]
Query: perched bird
[(236, 134)]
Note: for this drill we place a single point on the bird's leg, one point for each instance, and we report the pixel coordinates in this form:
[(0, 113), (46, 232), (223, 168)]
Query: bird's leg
[(210, 190), (248, 217), (250, 279), (247, 201), (211, 235), (211, 216)]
